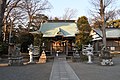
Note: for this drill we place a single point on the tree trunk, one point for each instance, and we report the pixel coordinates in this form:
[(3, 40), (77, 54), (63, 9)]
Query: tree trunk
[(2, 10), (103, 23)]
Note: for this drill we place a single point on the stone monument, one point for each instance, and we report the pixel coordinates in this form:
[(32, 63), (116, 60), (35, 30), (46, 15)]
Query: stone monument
[(15, 58)]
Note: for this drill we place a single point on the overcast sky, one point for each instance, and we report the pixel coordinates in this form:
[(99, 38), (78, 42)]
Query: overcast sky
[(59, 6)]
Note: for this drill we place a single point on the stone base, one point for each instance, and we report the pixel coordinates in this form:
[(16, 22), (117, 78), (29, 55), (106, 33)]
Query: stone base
[(15, 64), (105, 62), (89, 62), (15, 61), (42, 60), (31, 62)]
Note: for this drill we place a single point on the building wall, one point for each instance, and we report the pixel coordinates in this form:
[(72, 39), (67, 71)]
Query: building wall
[(112, 45)]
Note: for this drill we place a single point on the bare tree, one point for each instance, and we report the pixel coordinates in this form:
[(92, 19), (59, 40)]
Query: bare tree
[(108, 9), (69, 14), (33, 7), (10, 5), (118, 12), (22, 12), (102, 10), (8, 20), (37, 20)]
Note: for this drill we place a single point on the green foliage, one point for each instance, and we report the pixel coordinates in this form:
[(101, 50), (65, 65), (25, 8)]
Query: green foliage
[(3, 48), (26, 37), (25, 40), (56, 18), (38, 39), (83, 38), (114, 23), (83, 57), (82, 21), (15, 39)]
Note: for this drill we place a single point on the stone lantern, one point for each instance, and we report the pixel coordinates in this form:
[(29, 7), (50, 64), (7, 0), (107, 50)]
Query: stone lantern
[(31, 48), (88, 51)]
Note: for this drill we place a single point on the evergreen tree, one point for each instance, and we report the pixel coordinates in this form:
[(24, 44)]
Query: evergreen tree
[(83, 37)]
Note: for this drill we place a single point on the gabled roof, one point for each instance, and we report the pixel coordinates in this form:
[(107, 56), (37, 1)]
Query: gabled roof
[(110, 33), (52, 29), (60, 32)]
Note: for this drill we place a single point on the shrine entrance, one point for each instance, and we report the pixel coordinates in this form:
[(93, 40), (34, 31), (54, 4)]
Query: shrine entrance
[(63, 47), (59, 46)]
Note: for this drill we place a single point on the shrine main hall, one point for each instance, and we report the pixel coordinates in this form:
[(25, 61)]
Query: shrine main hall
[(59, 36)]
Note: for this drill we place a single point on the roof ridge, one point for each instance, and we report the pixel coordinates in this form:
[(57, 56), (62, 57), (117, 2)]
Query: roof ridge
[(61, 20)]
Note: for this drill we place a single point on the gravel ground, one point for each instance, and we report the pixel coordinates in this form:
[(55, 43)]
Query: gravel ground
[(97, 72), (26, 72)]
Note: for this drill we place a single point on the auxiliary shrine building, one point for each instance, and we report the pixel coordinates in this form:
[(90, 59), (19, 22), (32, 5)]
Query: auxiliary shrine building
[(112, 39), (59, 36)]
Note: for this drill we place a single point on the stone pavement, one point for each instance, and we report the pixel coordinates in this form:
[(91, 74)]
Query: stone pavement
[(61, 70)]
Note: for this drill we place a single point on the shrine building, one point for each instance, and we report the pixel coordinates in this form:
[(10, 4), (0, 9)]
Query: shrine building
[(112, 39), (59, 36)]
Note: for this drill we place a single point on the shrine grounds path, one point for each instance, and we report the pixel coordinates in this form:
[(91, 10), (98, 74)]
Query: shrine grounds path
[(83, 70)]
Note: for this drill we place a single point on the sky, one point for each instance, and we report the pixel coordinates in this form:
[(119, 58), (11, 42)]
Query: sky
[(59, 6)]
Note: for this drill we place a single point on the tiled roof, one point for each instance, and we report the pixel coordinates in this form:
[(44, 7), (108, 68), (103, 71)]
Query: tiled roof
[(110, 33), (51, 29), (113, 33)]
